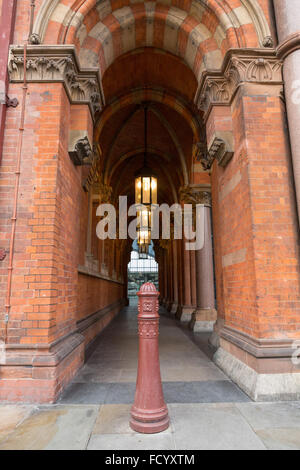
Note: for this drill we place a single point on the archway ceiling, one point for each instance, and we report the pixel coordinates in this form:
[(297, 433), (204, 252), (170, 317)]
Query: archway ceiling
[(124, 155), (170, 135), (149, 67)]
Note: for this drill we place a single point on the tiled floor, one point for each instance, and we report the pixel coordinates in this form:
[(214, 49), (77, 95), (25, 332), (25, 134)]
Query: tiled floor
[(207, 410)]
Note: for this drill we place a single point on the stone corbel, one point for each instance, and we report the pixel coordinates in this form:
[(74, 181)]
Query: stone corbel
[(221, 148), (11, 102), (80, 150)]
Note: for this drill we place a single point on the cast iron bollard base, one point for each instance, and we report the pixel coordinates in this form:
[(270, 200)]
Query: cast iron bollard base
[(149, 414)]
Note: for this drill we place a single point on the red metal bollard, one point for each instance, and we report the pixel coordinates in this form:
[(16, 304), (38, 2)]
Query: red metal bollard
[(149, 413)]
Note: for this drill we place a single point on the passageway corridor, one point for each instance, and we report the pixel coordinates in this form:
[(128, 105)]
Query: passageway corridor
[(207, 410), (109, 375)]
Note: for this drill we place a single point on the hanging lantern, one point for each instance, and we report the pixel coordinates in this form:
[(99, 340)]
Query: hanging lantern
[(145, 197), (145, 187), (144, 230)]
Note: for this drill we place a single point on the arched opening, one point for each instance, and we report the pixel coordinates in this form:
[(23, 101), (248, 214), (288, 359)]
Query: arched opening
[(141, 269), (209, 75)]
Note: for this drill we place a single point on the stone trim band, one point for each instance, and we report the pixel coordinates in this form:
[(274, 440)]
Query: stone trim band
[(259, 348), (58, 64)]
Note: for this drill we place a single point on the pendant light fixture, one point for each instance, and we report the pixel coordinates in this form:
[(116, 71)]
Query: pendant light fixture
[(145, 195)]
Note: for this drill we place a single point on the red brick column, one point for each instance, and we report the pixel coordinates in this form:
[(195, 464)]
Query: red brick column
[(256, 232)]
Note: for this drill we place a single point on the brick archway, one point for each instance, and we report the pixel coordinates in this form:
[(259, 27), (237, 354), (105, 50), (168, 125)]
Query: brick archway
[(214, 85)]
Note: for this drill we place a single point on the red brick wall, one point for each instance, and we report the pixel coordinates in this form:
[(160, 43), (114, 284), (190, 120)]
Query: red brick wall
[(46, 297), (95, 294), (255, 222)]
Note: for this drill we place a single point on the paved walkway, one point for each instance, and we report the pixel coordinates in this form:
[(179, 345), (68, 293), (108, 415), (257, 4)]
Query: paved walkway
[(207, 410)]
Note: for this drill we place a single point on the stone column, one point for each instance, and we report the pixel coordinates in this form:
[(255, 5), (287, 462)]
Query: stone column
[(165, 299), (187, 308), (288, 29), (175, 278), (171, 283), (193, 279), (205, 315)]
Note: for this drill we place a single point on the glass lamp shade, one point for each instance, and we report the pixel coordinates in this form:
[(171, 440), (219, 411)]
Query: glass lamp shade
[(144, 230), (145, 187)]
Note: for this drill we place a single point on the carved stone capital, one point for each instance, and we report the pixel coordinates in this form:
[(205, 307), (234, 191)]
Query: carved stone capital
[(82, 153), (105, 193), (258, 66), (57, 64), (195, 194)]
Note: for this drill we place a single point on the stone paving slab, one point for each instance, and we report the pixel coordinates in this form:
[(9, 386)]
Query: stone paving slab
[(10, 417), (213, 426), (53, 428), (215, 391), (133, 442), (277, 424), (211, 391)]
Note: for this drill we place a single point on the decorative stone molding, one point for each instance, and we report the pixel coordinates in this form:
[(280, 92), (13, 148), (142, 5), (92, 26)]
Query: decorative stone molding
[(2, 254), (268, 41), (257, 347), (105, 193), (195, 194), (35, 39), (240, 66), (58, 64), (290, 45), (82, 153), (94, 173)]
